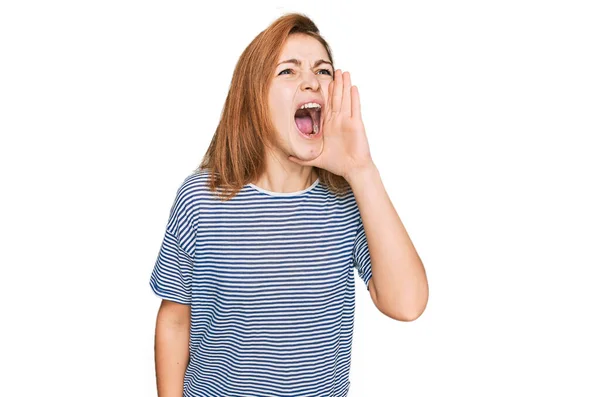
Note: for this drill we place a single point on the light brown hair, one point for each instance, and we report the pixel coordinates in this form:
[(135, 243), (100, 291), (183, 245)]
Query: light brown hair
[(236, 152)]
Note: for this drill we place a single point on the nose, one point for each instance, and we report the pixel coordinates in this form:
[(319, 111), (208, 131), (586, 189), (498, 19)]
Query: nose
[(310, 81)]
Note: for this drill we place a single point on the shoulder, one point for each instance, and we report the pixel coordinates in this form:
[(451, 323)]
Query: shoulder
[(342, 207), (192, 193), (347, 201), (194, 186), (349, 206)]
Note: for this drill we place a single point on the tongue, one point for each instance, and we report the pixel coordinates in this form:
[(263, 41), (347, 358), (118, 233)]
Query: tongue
[(304, 124)]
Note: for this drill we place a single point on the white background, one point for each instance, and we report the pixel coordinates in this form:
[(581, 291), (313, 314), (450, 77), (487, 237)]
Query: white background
[(482, 118)]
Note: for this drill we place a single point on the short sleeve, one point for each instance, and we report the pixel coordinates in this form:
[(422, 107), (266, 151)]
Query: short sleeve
[(361, 257), (171, 277)]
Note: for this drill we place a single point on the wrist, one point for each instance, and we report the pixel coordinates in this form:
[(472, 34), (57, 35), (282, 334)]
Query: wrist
[(359, 175)]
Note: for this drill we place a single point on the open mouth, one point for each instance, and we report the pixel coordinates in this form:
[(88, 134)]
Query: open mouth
[(308, 118)]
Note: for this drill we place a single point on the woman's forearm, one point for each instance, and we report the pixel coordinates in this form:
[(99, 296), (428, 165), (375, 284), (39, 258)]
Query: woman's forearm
[(171, 351)]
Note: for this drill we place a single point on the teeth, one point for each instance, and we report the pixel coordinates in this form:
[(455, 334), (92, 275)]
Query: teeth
[(316, 128), (310, 105)]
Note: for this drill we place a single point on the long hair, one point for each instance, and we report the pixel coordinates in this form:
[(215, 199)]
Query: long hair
[(236, 154)]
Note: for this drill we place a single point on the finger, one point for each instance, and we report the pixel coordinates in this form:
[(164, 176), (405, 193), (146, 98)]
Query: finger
[(356, 113), (337, 92), (329, 98), (346, 99)]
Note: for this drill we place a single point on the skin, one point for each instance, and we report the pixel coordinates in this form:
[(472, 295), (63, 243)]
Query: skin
[(171, 347), (290, 85)]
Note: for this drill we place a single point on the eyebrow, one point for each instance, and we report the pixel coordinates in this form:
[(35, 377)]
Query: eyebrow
[(298, 63)]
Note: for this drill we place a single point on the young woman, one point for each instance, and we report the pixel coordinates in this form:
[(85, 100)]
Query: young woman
[(256, 269)]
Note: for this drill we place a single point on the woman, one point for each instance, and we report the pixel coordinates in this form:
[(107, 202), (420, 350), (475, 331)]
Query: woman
[(256, 269)]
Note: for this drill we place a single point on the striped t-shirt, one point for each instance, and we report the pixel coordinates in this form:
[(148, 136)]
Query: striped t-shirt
[(270, 280)]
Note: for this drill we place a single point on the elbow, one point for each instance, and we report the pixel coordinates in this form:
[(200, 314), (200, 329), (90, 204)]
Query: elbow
[(408, 312), (406, 315)]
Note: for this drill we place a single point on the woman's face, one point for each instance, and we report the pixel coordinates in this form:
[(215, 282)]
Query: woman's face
[(302, 76)]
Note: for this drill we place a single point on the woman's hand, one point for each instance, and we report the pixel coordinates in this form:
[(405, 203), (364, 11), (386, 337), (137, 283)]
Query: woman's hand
[(345, 147)]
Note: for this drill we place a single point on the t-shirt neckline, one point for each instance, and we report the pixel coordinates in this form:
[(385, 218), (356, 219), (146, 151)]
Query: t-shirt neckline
[(288, 194)]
